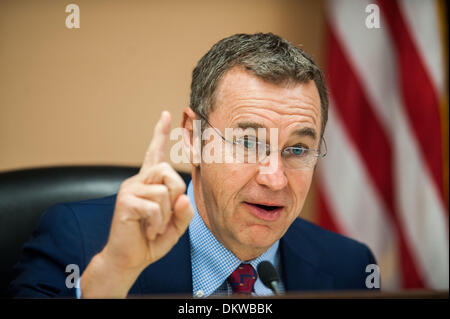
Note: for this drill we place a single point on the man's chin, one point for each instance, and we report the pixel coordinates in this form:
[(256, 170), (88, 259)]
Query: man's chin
[(259, 237)]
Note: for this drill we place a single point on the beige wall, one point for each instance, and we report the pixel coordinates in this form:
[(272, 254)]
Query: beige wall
[(92, 95)]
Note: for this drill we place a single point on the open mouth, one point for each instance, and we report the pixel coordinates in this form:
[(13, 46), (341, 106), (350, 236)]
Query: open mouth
[(266, 212), (269, 208)]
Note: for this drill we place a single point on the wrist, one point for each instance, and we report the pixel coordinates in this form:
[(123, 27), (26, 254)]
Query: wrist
[(104, 279)]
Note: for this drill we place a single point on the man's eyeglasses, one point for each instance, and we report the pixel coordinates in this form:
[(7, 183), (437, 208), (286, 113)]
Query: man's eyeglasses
[(252, 151)]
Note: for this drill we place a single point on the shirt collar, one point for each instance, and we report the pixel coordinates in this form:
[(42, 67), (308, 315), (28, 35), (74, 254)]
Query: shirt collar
[(212, 263)]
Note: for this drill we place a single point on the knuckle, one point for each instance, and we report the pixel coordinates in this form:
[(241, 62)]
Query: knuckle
[(154, 216), (162, 191), (124, 186), (125, 201), (152, 208), (127, 183), (180, 188), (165, 166)]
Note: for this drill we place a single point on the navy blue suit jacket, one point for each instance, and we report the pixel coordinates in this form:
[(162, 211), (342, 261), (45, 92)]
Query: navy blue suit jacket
[(311, 258)]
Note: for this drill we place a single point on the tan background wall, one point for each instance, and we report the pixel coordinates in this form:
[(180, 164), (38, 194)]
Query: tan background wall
[(92, 95)]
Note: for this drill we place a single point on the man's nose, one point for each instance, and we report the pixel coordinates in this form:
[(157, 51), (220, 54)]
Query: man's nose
[(272, 174)]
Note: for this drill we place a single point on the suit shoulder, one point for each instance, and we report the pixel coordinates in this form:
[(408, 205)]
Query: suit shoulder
[(338, 256), (323, 237), (336, 251), (93, 218), (67, 233), (96, 203), (83, 210)]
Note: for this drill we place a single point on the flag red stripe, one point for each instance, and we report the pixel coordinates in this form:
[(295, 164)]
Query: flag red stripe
[(420, 97), (367, 134), (360, 122)]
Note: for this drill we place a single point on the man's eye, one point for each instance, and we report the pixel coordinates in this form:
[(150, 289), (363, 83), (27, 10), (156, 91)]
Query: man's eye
[(296, 151), (248, 142)]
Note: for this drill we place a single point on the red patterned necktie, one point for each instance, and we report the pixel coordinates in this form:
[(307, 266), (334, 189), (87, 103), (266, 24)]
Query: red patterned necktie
[(243, 279)]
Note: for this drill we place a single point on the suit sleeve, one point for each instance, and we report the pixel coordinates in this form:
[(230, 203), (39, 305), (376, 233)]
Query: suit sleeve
[(56, 246)]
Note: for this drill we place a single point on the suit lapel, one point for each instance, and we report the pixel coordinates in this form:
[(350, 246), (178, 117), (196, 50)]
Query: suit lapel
[(300, 264)]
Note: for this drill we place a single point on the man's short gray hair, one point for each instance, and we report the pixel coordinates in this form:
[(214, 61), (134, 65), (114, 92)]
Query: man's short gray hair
[(266, 55)]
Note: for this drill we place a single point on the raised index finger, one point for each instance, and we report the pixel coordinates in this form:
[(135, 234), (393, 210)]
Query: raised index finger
[(157, 149)]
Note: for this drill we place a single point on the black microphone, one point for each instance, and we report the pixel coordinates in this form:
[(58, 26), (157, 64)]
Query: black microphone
[(269, 276)]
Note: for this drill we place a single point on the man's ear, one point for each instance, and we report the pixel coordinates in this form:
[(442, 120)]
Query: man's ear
[(192, 136)]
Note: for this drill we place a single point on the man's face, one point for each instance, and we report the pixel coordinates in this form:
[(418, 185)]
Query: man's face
[(231, 195)]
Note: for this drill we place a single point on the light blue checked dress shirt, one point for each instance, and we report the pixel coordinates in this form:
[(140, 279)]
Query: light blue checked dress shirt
[(212, 263)]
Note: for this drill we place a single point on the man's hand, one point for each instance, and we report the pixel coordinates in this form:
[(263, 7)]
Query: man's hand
[(151, 214)]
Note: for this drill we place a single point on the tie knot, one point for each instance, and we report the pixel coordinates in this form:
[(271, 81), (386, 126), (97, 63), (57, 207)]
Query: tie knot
[(243, 279)]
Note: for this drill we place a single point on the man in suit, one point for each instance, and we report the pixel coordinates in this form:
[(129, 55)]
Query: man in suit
[(240, 208)]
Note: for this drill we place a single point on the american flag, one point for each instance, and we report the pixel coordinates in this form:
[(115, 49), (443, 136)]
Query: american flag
[(384, 180)]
